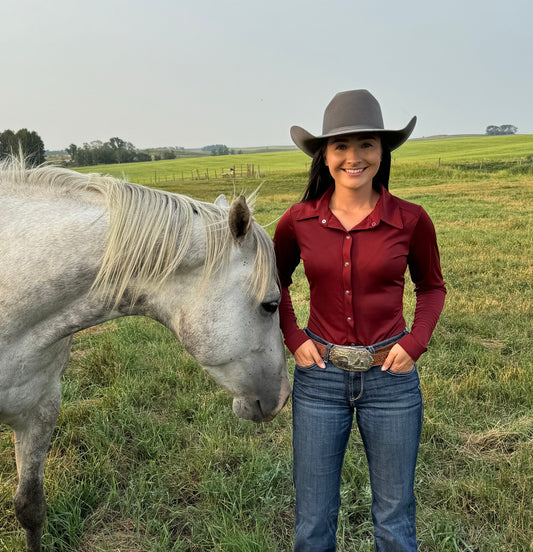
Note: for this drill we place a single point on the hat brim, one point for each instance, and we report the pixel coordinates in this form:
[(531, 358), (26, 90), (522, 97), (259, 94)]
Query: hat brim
[(310, 144)]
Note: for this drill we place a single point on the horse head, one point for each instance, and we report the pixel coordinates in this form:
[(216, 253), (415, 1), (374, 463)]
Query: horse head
[(230, 322)]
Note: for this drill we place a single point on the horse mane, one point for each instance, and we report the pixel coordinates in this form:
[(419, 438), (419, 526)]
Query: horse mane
[(150, 230)]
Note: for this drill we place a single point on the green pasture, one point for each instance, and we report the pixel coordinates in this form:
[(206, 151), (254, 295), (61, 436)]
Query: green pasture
[(147, 455), (488, 153), (212, 167), (475, 148)]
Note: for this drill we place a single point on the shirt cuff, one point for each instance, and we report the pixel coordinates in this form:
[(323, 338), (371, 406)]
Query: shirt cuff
[(295, 340), (412, 347)]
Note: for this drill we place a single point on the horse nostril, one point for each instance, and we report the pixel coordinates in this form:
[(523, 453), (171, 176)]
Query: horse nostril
[(263, 417)]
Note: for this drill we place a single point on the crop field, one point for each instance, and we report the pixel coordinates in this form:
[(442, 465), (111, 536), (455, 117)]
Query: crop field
[(147, 455)]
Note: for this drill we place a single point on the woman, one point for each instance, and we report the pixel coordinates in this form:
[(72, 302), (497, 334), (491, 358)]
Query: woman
[(356, 241)]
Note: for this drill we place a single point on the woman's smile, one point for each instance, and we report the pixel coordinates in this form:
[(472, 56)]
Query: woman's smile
[(354, 172)]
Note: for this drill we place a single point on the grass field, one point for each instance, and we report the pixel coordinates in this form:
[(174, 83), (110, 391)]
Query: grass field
[(463, 153), (147, 455)]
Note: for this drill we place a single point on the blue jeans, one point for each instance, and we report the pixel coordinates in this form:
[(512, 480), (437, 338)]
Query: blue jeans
[(389, 413)]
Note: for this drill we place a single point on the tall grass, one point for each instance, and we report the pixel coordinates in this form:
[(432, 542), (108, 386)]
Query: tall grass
[(147, 455)]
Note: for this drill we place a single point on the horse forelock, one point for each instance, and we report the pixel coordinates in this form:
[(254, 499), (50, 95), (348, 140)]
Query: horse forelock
[(150, 231)]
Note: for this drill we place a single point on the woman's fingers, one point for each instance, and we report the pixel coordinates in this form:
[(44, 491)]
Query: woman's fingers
[(307, 354)]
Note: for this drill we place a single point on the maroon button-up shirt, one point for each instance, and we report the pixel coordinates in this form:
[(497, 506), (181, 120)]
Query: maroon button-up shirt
[(356, 277)]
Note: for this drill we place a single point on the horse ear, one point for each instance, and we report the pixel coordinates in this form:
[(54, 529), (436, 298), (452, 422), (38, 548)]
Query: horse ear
[(221, 201), (240, 219)]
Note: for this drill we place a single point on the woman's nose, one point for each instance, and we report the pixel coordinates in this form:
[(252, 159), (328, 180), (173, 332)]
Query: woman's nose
[(352, 155)]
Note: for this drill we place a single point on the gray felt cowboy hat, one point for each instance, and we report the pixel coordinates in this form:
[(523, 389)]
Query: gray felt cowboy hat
[(349, 112)]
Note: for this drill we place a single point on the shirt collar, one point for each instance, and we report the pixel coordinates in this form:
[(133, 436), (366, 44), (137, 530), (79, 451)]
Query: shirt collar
[(387, 210), (390, 209)]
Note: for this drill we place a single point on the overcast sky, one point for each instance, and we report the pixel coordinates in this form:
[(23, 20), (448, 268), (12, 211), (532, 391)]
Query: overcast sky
[(241, 72)]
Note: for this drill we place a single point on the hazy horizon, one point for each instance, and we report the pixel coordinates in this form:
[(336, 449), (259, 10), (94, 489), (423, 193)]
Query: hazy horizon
[(241, 73)]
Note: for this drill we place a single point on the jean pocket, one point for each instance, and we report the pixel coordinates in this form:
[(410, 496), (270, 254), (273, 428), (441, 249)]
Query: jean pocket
[(402, 374), (306, 368)]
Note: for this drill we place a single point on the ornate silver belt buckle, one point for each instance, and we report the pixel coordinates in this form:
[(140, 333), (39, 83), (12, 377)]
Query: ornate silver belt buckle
[(351, 359)]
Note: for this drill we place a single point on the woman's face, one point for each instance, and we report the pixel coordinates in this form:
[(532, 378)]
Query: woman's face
[(353, 160)]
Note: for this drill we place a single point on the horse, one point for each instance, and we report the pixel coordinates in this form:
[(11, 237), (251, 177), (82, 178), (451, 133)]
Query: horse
[(78, 250)]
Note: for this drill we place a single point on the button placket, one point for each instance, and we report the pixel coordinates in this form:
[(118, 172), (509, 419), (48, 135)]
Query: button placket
[(347, 281)]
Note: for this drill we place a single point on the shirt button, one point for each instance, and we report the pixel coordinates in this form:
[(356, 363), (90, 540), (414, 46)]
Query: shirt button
[(346, 263), (349, 319), (347, 292), (348, 237), (373, 224), (323, 221)]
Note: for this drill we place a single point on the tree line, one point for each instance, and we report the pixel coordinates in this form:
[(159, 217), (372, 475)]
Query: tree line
[(115, 150), (220, 149), (494, 130), (25, 142)]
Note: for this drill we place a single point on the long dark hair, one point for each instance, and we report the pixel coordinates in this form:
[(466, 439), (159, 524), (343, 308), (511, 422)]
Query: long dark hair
[(320, 178)]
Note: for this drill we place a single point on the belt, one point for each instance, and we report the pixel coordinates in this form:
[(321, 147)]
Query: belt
[(353, 359)]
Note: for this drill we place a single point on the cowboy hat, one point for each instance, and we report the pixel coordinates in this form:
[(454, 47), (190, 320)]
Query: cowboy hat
[(349, 112)]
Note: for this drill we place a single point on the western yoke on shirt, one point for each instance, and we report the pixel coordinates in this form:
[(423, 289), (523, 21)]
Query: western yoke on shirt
[(357, 277)]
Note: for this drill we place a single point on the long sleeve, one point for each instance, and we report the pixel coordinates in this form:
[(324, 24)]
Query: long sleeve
[(287, 259), (424, 266)]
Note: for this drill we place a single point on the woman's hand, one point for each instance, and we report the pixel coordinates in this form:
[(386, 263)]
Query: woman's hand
[(398, 360), (307, 355)]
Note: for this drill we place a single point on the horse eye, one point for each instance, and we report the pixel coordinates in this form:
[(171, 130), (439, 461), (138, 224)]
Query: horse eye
[(270, 306)]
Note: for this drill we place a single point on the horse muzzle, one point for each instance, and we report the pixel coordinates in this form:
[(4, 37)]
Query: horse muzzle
[(258, 411)]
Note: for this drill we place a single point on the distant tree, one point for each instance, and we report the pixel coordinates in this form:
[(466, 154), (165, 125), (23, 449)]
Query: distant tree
[(142, 156), (24, 141), (118, 146), (508, 129), (115, 150), (32, 146), (8, 143), (493, 130), (72, 150), (221, 150), (168, 154), (217, 149)]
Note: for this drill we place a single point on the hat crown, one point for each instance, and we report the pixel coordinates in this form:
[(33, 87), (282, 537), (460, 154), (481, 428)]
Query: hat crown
[(357, 109)]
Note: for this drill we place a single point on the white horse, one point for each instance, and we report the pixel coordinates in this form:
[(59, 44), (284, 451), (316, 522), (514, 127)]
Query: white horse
[(77, 250)]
